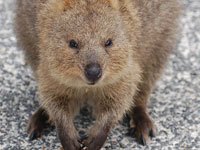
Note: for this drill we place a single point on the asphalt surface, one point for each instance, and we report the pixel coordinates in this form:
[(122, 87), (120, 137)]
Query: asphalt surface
[(174, 106)]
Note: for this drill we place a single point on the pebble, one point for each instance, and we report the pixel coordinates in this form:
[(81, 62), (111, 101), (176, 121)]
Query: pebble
[(124, 143)]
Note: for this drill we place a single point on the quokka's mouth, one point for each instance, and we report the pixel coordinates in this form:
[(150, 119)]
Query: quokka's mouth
[(91, 83)]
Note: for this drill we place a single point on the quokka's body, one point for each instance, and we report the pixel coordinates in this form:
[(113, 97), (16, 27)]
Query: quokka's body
[(106, 53)]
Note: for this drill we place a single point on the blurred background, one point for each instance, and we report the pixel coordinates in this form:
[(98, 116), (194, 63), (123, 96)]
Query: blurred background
[(174, 106)]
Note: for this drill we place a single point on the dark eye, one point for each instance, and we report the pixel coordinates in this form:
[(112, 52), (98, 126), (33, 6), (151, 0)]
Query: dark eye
[(109, 43), (73, 44)]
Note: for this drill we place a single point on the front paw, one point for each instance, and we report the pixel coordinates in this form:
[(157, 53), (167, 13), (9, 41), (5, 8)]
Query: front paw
[(142, 128), (96, 142), (38, 122), (68, 141), (93, 143)]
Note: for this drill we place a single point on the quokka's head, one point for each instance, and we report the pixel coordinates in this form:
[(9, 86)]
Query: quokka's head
[(84, 42)]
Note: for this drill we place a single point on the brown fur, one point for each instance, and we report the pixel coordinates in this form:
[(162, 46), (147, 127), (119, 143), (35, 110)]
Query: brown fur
[(143, 34)]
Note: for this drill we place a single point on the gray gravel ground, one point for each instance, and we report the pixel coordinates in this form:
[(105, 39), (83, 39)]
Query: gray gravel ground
[(175, 104)]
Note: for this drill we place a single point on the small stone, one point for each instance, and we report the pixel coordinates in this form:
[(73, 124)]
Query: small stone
[(114, 144), (124, 143)]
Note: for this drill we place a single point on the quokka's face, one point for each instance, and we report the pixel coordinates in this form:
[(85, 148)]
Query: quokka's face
[(85, 46)]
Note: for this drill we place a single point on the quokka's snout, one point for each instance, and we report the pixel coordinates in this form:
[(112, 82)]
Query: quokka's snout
[(93, 72)]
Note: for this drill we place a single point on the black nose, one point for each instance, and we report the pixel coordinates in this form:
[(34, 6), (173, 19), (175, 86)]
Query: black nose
[(93, 72)]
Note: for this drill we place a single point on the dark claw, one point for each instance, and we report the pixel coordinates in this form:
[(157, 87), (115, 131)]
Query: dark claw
[(151, 133), (84, 148), (142, 141), (140, 136), (131, 132), (33, 136)]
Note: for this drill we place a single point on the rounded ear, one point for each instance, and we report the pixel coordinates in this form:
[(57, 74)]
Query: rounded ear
[(114, 4)]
